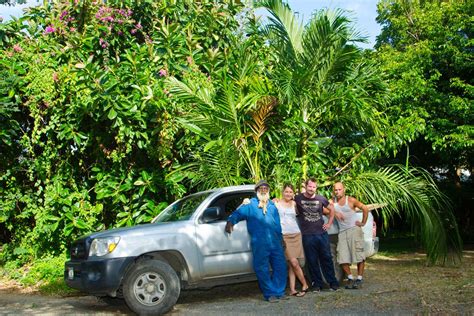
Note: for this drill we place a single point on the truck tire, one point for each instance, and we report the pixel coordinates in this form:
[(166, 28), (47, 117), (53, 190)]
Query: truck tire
[(151, 287)]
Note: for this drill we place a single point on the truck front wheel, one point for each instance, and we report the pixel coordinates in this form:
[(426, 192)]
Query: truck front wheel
[(151, 287)]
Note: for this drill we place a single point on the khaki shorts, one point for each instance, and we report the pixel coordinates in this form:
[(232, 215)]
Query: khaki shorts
[(350, 246)]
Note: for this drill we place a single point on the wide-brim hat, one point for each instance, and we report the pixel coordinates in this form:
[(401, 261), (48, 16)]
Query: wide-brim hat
[(261, 183)]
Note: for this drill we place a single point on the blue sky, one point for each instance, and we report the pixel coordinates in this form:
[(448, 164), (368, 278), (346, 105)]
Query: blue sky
[(16, 10), (364, 12)]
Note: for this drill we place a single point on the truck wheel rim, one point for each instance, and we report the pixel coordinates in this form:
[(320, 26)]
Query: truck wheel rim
[(149, 288)]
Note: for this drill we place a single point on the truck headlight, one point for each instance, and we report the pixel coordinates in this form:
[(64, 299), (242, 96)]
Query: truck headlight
[(103, 246)]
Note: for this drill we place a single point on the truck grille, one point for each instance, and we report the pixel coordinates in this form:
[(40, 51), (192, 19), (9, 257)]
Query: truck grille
[(79, 250)]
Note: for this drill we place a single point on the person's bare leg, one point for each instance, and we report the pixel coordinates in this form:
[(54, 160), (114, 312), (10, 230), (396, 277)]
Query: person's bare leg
[(296, 271), (360, 268), (346, 268), (291, 278), (300, 275)]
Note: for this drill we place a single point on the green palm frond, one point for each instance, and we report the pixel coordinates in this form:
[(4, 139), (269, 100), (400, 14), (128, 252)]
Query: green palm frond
[(328, 51), (219, 111), (412, 193), (354, 105), (218, 166), (244, 65), (226, 108), (341, 22), (287, 83), (284, 26), (190, 91)]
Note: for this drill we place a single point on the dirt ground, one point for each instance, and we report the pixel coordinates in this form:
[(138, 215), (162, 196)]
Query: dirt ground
[(400, 284)]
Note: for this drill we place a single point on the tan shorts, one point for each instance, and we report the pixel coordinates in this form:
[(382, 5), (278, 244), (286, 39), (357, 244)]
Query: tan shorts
[(293, 246), (350, 246)]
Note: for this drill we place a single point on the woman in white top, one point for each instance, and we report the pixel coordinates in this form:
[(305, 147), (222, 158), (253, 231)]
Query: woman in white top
[(292, 238)]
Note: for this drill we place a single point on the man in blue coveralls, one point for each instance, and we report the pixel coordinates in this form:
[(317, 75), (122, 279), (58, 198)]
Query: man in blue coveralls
[(263, 225)]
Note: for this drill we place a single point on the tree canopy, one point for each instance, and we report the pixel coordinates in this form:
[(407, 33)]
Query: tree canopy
[(426, 50), (109, 111)]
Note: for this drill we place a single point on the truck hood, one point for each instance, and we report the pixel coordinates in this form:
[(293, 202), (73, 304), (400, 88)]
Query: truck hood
[(141, 230), (140, 239)]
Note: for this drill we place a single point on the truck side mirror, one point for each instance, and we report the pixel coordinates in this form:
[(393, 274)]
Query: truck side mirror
[(211, 214)]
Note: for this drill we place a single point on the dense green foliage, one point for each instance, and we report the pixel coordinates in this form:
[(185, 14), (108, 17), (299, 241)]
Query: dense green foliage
[(109, 112), (87, 129), (426, 51)]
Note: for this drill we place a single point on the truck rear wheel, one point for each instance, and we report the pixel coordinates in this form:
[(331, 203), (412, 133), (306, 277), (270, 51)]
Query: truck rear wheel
[(151, 287)]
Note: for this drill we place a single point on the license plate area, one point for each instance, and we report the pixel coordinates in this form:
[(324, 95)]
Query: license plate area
[(70, 273)]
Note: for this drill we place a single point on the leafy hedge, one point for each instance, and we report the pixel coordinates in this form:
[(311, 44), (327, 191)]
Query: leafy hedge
[(87, 128)]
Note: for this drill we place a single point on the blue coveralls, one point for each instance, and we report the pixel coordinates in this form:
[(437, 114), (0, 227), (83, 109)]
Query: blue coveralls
[(267, 249)]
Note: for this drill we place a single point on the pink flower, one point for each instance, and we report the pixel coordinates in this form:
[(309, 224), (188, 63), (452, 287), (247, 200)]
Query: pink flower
[(103, 43), (72, 29), (17, 48), (55, 77), (133, 31), (189, 59), (63, 14), (162, 72), (49, 29), (138, 26)]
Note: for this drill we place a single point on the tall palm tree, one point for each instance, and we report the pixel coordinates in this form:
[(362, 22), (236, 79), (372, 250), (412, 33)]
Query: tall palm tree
[(338, 99), (318, 71)]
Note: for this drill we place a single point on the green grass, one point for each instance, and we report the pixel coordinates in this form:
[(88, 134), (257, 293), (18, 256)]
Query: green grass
[(44, 275)]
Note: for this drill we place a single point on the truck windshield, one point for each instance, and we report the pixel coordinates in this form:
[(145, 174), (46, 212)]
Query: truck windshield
[(182, 209)]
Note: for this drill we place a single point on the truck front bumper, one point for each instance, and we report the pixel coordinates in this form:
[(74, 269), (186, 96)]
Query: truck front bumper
[(101, 277)]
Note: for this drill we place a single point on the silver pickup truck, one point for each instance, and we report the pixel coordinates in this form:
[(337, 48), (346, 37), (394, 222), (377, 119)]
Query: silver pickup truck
[(184, 247)]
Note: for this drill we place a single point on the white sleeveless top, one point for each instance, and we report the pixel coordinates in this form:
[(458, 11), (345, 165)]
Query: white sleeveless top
[(350, 216), (288, 219)]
